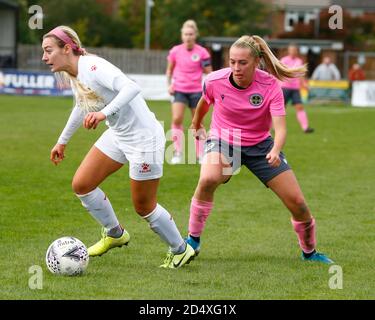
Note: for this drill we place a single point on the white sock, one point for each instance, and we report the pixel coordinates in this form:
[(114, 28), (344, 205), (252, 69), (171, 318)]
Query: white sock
[(162, 223), (99, 206)]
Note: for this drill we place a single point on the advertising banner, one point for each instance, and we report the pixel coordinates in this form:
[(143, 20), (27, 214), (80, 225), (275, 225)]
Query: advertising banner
[(154, 87), (363, 94), (30, 83), (328, 90)]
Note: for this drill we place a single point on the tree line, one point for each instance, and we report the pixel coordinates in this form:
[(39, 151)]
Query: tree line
[(125, 27)]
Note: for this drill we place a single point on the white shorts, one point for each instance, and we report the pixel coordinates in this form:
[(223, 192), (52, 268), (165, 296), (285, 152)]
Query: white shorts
[(150, 165)]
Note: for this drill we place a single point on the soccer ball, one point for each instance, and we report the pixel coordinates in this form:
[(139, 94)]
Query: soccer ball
[(67, 256)]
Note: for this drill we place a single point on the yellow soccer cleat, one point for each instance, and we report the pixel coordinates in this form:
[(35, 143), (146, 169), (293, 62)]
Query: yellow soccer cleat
[(174, 261), (106, 243)]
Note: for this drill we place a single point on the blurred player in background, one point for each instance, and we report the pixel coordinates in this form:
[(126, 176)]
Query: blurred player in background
[(186, 64), (291, 88), (246, 102), (103, 92)]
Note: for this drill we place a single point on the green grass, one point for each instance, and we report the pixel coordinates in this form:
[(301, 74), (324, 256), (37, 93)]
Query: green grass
[(249, 249)]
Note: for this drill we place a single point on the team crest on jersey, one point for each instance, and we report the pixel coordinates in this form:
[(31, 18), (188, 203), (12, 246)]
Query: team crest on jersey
[(93, 67), (256, 100), (195, 57)]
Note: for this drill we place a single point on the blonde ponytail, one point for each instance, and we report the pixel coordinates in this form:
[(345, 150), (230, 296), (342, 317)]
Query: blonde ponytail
[(259, 48), (86, 98)]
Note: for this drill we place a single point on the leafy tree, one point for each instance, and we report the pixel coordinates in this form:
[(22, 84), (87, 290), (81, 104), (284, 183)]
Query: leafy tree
[(25, 34), (224, 18), (87, 17), (126, 29), (133, 13)]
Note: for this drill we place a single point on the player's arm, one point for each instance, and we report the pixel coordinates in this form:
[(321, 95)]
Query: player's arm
[(169, 72), (303, 80), (304, 83), (127, 91), (279, 124), (207, 66), (206, 63), (200, 112), (73, 123), (207, 70)]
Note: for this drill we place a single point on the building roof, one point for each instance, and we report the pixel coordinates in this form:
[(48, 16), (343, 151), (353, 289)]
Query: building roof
[(278, 43), (302, 4), (11, 4), (316, 4), (355, 4)]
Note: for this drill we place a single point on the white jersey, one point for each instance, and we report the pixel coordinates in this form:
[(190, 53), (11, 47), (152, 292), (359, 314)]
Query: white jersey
[(130, 120)]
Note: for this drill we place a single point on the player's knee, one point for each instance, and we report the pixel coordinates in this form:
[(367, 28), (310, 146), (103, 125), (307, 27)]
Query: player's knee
[(300, 203), (299, 107), (80, 187), (143, 206), (177, 120), (209, 183)]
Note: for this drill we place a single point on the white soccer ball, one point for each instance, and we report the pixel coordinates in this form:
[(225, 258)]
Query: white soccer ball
[(67, 256)]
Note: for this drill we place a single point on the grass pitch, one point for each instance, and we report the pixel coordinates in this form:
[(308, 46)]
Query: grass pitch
[(249, 249)]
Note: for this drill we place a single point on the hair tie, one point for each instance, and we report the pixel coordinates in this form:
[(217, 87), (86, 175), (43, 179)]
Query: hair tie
[(257, 52), (82, 51)]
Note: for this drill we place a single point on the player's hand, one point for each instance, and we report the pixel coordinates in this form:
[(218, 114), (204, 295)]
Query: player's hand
[(171, 90), (57, 153), (273, 158), (304, 84), (199, 132), (92, 119)]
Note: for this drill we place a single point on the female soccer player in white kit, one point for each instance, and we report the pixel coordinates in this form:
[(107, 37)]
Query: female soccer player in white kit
[(103, 92)]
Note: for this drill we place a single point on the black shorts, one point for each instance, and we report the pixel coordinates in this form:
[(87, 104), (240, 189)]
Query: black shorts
[(253, 157), (190, 99), (292, 95)]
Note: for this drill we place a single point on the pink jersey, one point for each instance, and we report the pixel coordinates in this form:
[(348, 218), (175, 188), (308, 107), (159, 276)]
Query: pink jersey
[(293, 83), (243, 116), (188, 67)]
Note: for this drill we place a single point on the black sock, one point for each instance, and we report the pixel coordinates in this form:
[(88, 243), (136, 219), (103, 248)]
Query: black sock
[(196, 239), (308, 255)]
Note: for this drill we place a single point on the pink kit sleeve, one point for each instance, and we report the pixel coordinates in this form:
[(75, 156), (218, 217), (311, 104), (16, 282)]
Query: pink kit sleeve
[(205, 54), (172, 55), (277, 106), (207, 92)]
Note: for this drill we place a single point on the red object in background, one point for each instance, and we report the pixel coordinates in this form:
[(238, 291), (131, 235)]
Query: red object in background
[(356, 73)]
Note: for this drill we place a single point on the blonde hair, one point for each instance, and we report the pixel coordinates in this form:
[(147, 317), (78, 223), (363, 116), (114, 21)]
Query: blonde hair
[(191, 24), (259, 48), (85, 98)]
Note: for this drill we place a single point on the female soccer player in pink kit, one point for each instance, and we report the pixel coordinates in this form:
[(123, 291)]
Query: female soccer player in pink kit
[(291, 88), (134, 137), (186, 64), (246, 102)]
